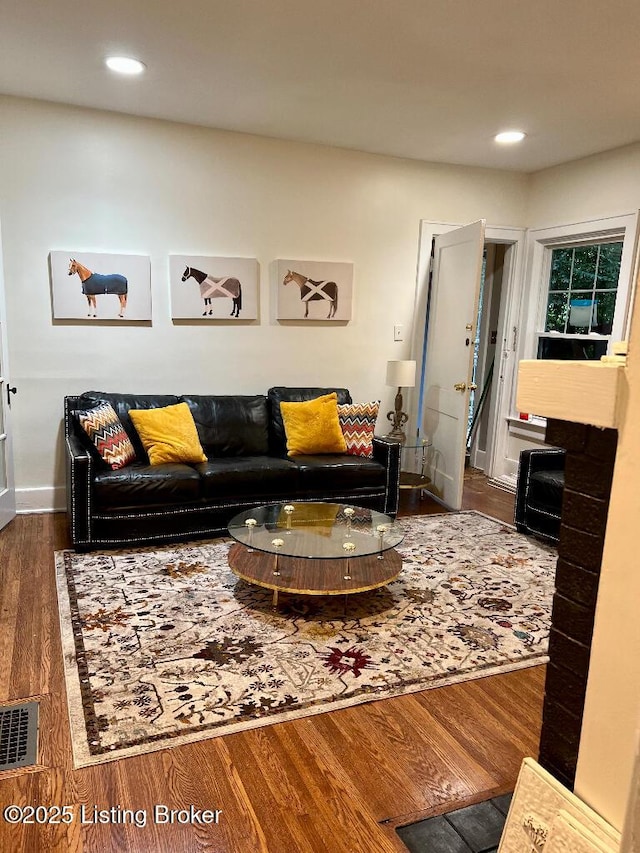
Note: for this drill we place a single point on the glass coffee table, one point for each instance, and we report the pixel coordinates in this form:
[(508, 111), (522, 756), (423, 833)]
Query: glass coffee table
[(315, 548)]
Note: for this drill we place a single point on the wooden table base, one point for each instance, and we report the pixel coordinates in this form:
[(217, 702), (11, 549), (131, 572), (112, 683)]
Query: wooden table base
[(314, 576)]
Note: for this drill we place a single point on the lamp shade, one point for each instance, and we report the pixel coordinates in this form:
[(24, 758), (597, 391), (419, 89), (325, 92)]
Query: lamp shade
[(401, 374)]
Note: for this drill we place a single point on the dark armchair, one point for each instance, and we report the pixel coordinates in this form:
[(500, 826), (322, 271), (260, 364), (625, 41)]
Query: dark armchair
[(539, 492)]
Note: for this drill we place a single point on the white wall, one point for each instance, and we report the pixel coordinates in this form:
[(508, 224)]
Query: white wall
[(591, 188), (75, 179)]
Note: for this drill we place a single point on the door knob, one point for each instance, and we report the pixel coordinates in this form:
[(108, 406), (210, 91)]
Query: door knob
[(472, 386), (10, 391), (460, 386)]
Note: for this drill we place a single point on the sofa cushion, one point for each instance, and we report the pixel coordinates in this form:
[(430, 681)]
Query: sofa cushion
[(230, 425), (121, 404), (338, 473), (358, 422), (281, 394), (168, 434), (546, 490), (259, 477), (313, 427), (106, 435), (140, 484)]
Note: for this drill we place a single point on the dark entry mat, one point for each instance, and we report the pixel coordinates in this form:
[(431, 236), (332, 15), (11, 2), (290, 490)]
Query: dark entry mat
[(474, 829)]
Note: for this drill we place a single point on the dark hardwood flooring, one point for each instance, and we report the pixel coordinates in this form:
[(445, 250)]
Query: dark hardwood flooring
[(477, 495), (338, 782)]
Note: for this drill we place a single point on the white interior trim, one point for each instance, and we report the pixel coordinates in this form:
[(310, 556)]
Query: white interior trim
[(41, 499), (540, 240)]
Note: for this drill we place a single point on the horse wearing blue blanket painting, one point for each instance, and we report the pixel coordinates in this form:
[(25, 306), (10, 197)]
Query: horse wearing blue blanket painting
[(94, 283)]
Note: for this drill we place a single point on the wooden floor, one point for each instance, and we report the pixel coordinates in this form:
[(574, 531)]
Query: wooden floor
[(340, 781)]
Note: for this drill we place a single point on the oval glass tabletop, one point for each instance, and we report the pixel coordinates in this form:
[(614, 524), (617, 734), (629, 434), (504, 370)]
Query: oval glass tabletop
[(316, 530)]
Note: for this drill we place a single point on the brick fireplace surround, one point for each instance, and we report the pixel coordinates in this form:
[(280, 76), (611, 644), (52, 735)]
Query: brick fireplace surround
[(593, 410), (590, 457)]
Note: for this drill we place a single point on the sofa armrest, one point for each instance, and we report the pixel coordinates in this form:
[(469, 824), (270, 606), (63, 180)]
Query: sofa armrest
[(79, 479), (388, 454)]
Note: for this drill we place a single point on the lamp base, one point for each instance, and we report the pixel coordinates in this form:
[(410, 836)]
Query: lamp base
[(396, 435), (398, 419)]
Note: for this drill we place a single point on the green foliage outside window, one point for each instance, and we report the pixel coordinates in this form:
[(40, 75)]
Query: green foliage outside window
[(580, 276)]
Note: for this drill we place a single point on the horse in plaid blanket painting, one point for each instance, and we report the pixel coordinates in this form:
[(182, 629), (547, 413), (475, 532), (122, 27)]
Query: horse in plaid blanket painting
[(211, 287), (312, 291), (94, 284)]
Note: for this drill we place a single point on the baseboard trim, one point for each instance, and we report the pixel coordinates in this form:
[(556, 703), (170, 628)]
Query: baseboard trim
[(41, 499), (507, 483)]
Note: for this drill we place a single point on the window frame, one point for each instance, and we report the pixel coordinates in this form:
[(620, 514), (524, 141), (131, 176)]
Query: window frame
[(542, 241)]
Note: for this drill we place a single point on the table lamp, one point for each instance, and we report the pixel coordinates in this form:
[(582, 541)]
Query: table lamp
[(400, 374)]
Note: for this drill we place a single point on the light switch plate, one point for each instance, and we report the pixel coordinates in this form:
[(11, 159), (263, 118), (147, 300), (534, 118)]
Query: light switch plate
[(397, 332)]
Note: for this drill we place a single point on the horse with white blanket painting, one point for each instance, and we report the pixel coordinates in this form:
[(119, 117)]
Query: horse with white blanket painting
[(314, 291), (212, 288)]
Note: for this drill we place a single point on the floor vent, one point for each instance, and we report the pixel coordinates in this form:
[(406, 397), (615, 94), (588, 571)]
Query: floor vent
[(18, 735)]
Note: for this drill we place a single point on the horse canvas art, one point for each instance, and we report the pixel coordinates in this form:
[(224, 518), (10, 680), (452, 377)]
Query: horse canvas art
[(99, 287), (322, 290), (213, 289), (312, 291), (94, 283)]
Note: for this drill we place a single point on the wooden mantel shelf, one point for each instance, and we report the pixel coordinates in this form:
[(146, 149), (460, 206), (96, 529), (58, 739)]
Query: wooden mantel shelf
[(585, 392)]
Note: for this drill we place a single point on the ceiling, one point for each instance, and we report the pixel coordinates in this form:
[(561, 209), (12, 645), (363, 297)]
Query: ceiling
[(427, 79)]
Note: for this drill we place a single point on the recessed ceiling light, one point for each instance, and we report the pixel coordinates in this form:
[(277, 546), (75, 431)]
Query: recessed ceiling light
[(125, 65), (509, 136)]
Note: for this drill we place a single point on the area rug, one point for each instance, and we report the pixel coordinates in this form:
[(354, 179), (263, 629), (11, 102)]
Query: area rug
[(165, 646)]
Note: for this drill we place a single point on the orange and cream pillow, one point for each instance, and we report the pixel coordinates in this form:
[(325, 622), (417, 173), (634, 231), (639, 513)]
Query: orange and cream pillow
[(106, 433), (358, 422)]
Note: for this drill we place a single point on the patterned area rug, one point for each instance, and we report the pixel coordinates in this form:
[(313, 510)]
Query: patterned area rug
[(164, 646)]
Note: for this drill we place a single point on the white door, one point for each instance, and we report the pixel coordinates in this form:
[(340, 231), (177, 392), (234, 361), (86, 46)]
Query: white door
[(453, 310), (7, 491)]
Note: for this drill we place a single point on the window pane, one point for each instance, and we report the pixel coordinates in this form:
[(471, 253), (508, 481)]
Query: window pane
[(609, 265), (583, 281), (576, 349), (560, 269), (606, 304), (583, 311), (584, 267), (557, 309)]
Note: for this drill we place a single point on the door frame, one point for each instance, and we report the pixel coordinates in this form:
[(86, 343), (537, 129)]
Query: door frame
[(8, 497), (505, 373)]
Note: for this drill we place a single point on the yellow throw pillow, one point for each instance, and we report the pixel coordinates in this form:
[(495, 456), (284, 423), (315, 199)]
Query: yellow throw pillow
[(168, 434), (313, 426)]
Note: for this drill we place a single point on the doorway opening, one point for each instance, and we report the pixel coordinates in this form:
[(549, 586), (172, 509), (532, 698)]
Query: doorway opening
[(465, 339), (487, 348)]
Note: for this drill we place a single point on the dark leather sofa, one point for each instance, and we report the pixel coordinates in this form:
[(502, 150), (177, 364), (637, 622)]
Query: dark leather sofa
[(539, 492), (244, 440)]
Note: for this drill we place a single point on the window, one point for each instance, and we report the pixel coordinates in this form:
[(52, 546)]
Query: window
[(582, 291), (579, 285)]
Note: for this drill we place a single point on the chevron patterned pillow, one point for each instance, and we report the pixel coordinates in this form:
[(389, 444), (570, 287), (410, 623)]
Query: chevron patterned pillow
[(104, 428), (358, 421)]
